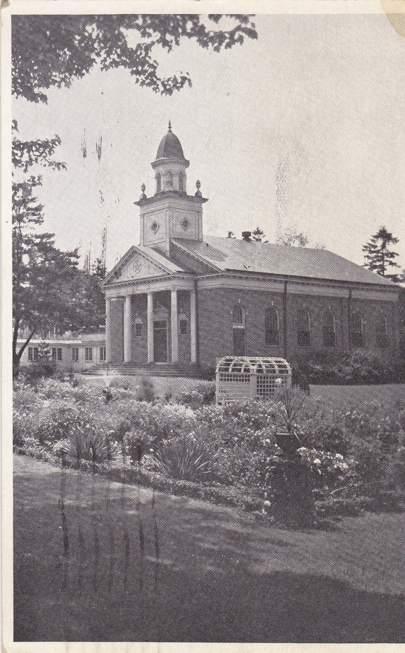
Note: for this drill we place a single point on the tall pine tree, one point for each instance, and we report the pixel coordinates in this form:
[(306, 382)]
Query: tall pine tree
[(379, 257)]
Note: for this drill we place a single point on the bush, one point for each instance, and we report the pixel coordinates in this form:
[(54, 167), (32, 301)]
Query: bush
[(145, 391), (356, 367), (89, 445), (33, 373), (201, 395), (186, 458), (135, 444)]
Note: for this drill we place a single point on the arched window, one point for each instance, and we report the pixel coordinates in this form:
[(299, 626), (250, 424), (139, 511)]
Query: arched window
[(238, 330), (238, 316), (381, 331), (158, 182), (329, 329), (181, 183), (271, 327), (303, 328), (357, 329)]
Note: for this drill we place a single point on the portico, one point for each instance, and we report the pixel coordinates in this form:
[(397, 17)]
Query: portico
[(182, 298), (157, 324)]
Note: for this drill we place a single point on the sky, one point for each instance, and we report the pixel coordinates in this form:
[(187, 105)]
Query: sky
[(319, 97)]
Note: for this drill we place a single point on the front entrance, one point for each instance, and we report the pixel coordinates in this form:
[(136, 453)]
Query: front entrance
[(160, 341)]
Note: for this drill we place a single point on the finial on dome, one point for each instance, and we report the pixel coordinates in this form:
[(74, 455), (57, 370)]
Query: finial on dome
[(143, 196), (170, 125), (198, 186)]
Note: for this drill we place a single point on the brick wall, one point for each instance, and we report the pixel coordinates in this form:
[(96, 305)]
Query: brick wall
[(215, 323)]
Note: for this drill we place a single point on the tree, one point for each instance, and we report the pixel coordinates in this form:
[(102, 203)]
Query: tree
[(54, 50), (293, 238), (379, 257), (258, 235), (48, 289)]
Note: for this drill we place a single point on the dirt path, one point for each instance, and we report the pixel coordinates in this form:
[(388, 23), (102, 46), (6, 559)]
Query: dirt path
[(101, 561)]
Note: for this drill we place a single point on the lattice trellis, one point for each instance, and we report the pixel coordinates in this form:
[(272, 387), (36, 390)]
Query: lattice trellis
[(245, 377)]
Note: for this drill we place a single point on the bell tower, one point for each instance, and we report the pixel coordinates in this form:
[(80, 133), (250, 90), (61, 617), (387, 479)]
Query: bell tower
[(170, 212)]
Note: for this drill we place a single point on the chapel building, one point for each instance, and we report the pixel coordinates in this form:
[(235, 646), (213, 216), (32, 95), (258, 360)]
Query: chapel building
[(183, 298)]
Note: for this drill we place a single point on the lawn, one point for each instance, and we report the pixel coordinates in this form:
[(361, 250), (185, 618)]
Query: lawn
[(97, 560), (335, 395), (338, 396)]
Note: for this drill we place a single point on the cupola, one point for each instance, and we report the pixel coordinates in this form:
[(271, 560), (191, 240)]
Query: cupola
[(170, 165)]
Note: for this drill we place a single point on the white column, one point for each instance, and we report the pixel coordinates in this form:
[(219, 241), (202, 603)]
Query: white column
[(127, 330), (107, 331), (174, 328), (149, 326), (193, 326)]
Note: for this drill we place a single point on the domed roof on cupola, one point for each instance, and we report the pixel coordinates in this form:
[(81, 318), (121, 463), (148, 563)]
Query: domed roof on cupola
[(170, 147)]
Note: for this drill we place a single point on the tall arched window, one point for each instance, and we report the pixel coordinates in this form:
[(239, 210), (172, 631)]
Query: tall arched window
[(158, 182), (357, 329), (303, 328), (271, 326), (381, 331), (238, 316), (238, 330), (181, 183), (329, 329)]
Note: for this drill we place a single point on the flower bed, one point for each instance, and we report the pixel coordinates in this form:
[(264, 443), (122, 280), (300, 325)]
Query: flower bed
[(291, 456)]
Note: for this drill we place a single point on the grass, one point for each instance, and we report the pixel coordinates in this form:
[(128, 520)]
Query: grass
[(101, 561), (338, 396)]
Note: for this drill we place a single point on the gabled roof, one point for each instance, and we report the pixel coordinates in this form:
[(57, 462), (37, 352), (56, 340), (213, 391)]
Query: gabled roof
[(240, 255), (163, 264)]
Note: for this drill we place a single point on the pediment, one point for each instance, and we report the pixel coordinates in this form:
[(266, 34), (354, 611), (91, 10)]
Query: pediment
[(135, 265)]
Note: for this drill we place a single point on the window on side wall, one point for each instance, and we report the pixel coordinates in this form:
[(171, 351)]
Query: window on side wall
[(102, 354), (329, 329), (357, 335), (271, 327), (88, 353), (183, 326), (303, 328), (59, 353), (75, 354), (381, 331)]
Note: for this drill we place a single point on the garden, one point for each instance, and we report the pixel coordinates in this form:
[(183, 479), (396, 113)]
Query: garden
[(296, 460)]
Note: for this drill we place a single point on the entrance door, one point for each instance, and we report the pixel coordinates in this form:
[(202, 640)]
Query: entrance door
[(239, 348), (160, 341)]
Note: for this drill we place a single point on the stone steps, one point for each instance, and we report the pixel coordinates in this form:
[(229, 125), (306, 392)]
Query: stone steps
[(131, 369)]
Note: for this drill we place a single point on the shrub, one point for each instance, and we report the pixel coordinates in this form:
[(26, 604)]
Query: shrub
[(86, 446), (33, 373), (201, 395), (186, 458), (136, 444), (356, 367), (145, 391)]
